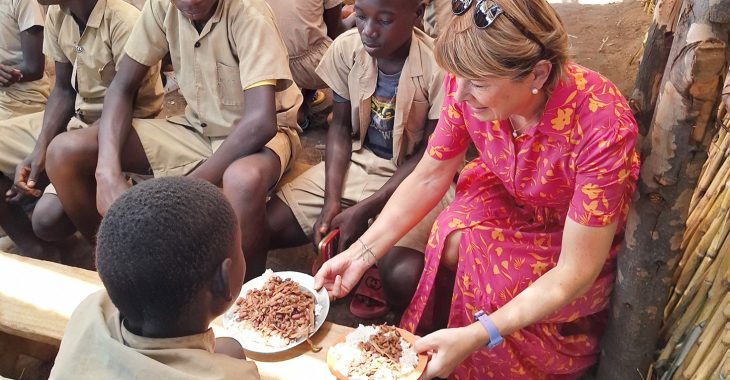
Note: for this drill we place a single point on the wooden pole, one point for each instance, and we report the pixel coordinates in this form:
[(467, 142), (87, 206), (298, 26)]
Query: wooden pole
[(673, 156), (654, 59)]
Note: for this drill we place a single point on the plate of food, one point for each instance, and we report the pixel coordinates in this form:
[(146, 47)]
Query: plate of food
[(276, 312), (376, 352)]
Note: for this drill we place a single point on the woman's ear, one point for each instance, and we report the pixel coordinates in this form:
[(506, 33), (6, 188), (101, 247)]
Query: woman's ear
[(541, 73)]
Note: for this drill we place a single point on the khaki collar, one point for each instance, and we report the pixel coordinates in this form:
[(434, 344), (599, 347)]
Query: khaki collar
[(203, 341), (214, 19), (97, 14), (412, 67)]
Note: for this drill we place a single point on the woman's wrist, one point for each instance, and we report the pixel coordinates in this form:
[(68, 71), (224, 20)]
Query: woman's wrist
[(476, 336)]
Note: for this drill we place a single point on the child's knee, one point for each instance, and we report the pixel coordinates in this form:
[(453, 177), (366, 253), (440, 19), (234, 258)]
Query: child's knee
[(48, 219), (245, 179), (72, 148)]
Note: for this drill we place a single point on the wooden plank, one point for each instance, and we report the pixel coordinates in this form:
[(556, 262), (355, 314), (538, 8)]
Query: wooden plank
[(38, 297)]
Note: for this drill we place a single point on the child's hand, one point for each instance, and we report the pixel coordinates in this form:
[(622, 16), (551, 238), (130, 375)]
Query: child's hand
[(9, 75), (108, 189), (323, 225), (352, 223)]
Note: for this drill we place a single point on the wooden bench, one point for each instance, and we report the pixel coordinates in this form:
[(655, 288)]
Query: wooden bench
[(38, 297)]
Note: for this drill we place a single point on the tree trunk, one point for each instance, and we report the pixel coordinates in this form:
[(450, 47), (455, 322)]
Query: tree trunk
[(673, 154), (653, 61)]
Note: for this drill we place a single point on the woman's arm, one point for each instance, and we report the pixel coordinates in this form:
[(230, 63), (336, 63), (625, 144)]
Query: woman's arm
[(584, 253), (414, 198)]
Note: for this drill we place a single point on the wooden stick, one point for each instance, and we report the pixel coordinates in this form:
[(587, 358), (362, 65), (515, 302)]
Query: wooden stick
[(709, 336), (712, 359)]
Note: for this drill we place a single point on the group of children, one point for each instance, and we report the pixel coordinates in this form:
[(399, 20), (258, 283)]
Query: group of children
[(170, 251)]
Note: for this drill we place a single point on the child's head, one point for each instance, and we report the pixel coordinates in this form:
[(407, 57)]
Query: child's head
[(196, 10), (386, 26), (169, 254)]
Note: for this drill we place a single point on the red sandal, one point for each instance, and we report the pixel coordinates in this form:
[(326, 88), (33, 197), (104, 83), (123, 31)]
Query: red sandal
[(369, 302)]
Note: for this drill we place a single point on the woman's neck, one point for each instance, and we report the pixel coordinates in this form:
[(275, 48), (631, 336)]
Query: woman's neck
[(534, 109)]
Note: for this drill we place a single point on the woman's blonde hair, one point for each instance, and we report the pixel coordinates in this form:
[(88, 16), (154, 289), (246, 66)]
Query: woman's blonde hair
[(502, 49)]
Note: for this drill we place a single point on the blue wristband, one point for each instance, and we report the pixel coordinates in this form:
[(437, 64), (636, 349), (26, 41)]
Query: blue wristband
[(494, 337)]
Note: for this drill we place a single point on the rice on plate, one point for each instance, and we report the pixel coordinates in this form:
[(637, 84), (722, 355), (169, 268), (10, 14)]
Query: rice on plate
[(376, 353)]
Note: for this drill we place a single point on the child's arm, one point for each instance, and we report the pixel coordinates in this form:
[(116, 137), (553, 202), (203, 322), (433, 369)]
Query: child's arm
[(249, 136), (354, 221), (336, 162), (334, 22), (114, 127), (229, 347), (31, 42), (59, 110)]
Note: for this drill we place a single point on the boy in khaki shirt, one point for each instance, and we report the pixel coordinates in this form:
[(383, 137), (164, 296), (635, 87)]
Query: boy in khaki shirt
[(239, 129), (308, 29), (388, 95), (24, 86), (168, 270), (85, 64)]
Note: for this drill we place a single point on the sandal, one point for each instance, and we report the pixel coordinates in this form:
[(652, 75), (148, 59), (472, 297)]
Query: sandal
[(369, 302)]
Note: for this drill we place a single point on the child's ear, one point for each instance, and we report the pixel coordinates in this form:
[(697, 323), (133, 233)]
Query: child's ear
[(222, 283)]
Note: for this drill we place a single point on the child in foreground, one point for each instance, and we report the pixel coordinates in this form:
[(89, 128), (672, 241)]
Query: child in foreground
[(168, 270)]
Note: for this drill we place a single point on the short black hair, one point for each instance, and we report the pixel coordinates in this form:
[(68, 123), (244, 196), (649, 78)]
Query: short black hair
[(160, 243)]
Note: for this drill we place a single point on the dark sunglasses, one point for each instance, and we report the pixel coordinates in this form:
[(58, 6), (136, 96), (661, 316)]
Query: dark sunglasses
[(485, 15)]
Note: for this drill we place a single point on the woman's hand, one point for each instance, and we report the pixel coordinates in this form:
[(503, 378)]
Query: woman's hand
[(448, 348), (340, 274)]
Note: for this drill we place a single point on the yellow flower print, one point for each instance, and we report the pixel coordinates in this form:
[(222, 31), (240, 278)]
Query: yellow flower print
[(592, 190), (517, 263), (580, 81), (562, 119), (497, 234), (456, 223), (538, 268), (453, 112), (623, 174), (594, 104)]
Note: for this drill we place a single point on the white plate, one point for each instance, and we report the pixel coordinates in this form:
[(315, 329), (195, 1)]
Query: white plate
[(303, 279)]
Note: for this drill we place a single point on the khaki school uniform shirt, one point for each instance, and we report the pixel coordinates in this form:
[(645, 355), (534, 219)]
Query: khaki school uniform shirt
[(302, 23), (17, 16), (96, 54), (239, 46), (96, 345), (352, 74)]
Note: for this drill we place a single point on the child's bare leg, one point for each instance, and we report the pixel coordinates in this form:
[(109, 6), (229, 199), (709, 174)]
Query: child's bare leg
[(50, 222), (246, 183), (400, 270), (14, 221), (71, 166), (284, 228)]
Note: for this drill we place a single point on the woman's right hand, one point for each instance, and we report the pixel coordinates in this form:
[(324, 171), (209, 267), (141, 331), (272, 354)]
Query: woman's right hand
[(340, 274)]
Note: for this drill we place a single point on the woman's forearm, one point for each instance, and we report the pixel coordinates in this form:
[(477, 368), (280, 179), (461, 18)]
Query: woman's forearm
[(416, 196)]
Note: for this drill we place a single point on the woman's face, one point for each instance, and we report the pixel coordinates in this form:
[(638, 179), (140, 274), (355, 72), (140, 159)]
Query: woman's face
[(495, 98)]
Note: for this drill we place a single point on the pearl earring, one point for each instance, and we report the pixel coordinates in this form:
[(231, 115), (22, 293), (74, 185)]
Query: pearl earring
[(534, 91)]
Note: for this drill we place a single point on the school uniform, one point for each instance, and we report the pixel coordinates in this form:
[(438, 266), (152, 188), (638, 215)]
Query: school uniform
[(97, 345), (20, 98), (240, 47), (95, 56), (353, 76), (437, 16), (305, 35)]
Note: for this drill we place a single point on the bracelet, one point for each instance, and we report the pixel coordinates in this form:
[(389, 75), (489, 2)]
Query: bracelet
[(367, 250)]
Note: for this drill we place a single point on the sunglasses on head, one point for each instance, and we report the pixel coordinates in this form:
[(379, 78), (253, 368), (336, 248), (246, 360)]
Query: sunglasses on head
[(486, 12)]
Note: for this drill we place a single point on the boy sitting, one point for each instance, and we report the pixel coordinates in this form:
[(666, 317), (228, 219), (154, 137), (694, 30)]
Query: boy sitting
[(239, 130), (24, 85), (388, 98), (169, 269), (85, 64), (308, 29)]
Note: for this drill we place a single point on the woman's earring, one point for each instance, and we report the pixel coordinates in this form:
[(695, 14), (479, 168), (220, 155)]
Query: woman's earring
[(534, 91)]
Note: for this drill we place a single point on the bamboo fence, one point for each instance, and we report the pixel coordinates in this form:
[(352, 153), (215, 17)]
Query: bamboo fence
[(696, 328)]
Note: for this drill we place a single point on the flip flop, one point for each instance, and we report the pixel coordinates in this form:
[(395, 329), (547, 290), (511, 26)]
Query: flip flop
[(369, 302)]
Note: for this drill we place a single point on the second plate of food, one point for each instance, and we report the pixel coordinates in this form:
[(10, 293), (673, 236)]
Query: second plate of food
[(276, 311)]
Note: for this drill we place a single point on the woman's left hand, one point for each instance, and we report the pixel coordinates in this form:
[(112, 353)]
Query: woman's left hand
[(447, 348)]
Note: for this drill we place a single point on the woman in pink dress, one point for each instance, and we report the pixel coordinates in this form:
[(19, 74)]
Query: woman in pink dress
[(529, 243)]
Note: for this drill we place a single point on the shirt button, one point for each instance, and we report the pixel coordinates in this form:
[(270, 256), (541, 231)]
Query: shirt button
[(203, 125), (197, 44)]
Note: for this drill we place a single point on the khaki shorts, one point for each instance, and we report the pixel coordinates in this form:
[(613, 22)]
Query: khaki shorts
[(366, 175), (29, 98), (175, 150), (18, 137), (302, 66)]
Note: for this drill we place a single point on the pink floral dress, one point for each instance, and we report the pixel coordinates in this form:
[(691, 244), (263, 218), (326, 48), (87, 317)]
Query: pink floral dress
[(511, 203)]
